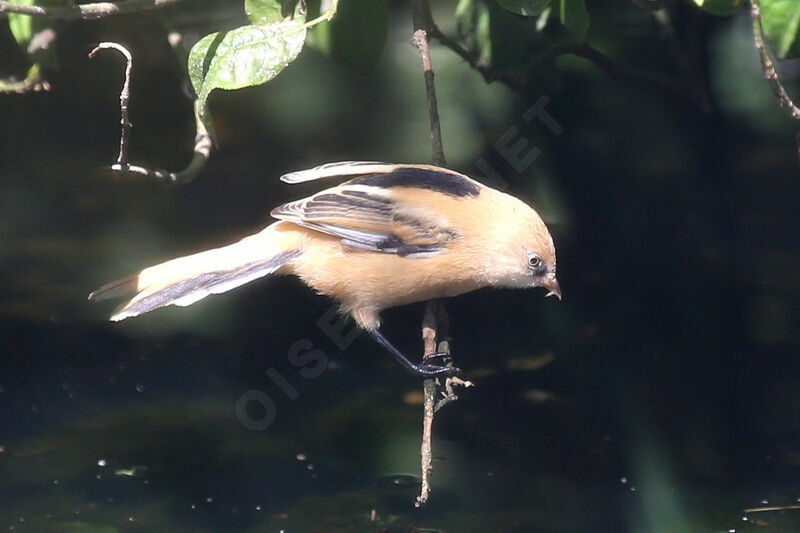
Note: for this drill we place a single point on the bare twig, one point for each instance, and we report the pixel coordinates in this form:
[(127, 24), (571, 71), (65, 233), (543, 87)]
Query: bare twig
[(73, 11), (421, 18), (423, 26), (435, 327), (429, 323), (420, 40), (202, 140), (202, 151), (768, 66), (429, 331), (33, 82), (435, 323), (513, 78), (517, 79), (616, 69), (124, 96)]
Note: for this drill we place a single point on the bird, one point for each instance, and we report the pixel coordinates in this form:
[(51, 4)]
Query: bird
[(389, 235)]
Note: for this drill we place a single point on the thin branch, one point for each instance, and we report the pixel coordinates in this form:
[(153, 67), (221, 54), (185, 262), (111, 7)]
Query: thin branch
[(421, 15), (513, 78), (124, 96), (420, 40), (202, 151), (517, 79), (202, 140), (435, 333), (33, 82), (74, 11), (616, 69), (768, 66), (430, 327), (435, 323)]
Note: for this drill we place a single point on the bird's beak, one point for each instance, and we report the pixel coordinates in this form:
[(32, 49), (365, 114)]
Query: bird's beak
[(551, 284)]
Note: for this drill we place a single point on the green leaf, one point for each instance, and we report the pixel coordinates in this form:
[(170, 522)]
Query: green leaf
[(720, 7), (30, 34), (243, 57), (574, 17), (781, 20), (21, 26), (528, 8), (264, 12)]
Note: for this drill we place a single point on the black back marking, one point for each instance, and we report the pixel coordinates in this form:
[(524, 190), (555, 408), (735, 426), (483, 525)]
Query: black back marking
[(394, 244), (433, 180)]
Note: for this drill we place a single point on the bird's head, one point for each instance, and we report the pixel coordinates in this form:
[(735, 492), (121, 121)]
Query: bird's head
[(542, 272), (526, 256)]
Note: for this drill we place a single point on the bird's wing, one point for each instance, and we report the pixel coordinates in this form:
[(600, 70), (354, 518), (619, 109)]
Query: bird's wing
[(387, 176), (372, 218)]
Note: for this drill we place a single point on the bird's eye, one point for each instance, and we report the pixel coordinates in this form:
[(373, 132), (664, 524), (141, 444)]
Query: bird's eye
[(534, 261)]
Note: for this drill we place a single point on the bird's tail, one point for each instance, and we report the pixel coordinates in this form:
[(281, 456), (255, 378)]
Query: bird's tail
[(185, 280)]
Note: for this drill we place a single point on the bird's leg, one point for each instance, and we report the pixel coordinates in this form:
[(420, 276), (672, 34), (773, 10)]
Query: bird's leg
[(425, 370)]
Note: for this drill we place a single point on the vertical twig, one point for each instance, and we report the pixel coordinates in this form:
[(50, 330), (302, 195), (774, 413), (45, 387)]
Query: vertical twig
[(435, 322), (429, 332), (421, 14), (202, 140), (124, 97), (421, 41)]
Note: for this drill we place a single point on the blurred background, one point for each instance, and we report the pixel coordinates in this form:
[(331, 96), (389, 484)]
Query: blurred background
[(660, 395)]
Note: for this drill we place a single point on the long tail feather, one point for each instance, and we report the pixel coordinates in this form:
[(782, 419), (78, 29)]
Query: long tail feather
[(185, 280), (115, 289)]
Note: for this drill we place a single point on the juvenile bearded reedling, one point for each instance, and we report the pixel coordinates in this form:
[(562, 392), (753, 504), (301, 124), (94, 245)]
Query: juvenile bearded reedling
[(391, 235)]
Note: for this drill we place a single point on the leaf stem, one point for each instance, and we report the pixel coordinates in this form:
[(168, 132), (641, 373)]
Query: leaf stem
[(323, 17)]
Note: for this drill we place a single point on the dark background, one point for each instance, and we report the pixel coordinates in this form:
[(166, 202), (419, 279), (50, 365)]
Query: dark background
[(660, 395)]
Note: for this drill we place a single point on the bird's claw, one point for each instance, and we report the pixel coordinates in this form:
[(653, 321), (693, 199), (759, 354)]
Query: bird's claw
[(444, 357), (432, 371)]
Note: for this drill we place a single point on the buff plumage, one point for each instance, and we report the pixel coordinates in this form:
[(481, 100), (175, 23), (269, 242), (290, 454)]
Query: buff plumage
[(389, 235)]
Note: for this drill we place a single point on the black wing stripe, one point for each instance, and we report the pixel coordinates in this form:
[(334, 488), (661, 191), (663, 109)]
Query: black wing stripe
[(433, 180), (395, 245), (367, 196), (336, 200), (368, 221)]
